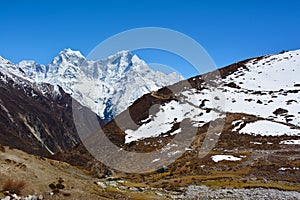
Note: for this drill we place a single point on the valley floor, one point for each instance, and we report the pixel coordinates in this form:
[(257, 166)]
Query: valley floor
[(38, 173)]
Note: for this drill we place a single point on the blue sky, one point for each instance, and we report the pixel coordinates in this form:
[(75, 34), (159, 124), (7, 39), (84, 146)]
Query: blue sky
[(229, 30)]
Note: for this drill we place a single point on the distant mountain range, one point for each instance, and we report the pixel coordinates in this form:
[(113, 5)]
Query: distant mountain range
[(36, 99), (105, 86)]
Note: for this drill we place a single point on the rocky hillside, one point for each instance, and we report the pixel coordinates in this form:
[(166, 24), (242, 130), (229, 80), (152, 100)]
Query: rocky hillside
[(241, 125), (36, 118)]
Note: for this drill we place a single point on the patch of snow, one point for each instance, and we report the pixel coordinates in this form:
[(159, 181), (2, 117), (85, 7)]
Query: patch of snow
[(101, 184), (283, 169), (177, 131), (288, 168), (290, 142), (145, 120), (237, 125), (155, 160), (259, 143), (218, 158), (268, 128)]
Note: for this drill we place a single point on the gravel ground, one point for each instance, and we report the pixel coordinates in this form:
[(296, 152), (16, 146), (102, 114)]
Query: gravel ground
[(203, 192)]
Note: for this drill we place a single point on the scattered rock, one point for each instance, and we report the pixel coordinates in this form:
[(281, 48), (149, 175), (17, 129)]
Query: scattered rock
[(233, 85), (280, 111), (259, 102), (297, 85)]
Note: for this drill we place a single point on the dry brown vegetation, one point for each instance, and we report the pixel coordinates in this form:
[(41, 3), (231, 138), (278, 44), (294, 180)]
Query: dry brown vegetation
[(13, 186), (2, 149), (259, 165)]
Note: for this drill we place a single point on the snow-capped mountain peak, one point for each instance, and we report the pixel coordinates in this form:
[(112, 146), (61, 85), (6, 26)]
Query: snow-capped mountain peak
[(118, 63), (122, 53), (71, 53), (3, 60), (9, 69), (106, 86), (32, 69), (64, 60)]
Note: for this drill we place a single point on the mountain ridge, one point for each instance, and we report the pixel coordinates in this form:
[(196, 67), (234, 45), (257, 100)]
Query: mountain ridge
[(101, 85)]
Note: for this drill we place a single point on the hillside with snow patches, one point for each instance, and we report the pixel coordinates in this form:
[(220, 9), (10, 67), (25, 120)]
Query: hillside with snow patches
[(256, 147), (267, 87), (105, 86)]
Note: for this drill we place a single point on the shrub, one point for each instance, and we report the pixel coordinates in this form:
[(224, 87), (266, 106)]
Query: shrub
[(2, 149), (14, 187), (55, 187)]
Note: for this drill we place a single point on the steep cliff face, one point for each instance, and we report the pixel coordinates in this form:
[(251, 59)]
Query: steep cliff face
[(36, 118)]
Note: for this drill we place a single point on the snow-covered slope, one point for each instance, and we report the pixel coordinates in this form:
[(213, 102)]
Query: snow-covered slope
[(106, 86), (266, 87)]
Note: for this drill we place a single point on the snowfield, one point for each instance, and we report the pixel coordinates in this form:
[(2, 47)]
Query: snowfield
[(265, 85)]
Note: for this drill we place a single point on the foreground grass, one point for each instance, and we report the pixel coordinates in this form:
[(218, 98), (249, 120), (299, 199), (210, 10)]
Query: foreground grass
[(239, 184)]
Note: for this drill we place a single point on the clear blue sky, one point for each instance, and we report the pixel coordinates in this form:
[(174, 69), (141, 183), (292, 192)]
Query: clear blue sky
[(229, 30)]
